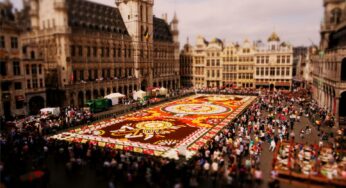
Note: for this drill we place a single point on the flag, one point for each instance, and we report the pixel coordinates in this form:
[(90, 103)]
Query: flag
[(146, 34)]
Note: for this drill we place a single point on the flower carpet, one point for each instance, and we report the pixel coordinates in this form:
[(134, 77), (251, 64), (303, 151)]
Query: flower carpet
[(186, 123)]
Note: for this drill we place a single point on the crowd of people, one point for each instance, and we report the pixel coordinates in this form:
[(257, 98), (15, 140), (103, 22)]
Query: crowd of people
[(233, 91), (232, 157)]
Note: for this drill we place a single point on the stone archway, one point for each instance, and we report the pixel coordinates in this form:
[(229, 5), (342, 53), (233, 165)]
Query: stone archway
[(130, 89), (96, 93), (35, 104), (88, 95), (72, 99), (271, 86), (343, 69), (81, 99), (125, 90), (102, 92), (342, 108), (144, 85)]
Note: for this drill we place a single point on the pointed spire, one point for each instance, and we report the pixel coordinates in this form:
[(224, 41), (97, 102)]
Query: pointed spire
[(175, 18), (187, 40)]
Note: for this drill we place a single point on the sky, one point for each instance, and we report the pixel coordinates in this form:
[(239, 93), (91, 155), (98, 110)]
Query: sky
[(295, 21)]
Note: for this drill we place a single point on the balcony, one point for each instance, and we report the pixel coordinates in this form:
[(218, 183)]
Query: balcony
[(104, 83), (35, 90)]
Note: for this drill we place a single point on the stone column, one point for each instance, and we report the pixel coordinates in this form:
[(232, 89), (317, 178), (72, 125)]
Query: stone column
[(337, 103), (84, 97)]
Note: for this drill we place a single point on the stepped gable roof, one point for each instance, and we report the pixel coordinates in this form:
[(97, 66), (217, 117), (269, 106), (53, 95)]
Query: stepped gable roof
[(95, 17), (162, 31), (23, 19), (7, 17)]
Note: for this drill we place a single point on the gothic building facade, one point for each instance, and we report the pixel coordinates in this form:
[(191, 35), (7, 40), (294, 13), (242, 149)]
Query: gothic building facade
[(329, 65), (91, 50)]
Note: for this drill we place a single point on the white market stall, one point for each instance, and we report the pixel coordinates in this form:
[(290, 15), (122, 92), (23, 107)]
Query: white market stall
[(114, 97), (163, 91), (50, 111), (139, 94)]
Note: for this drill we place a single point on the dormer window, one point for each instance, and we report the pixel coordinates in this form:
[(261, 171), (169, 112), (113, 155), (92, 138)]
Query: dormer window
[(336, 16)]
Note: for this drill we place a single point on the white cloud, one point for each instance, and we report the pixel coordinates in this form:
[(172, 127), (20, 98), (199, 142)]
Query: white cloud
[(296, 21)]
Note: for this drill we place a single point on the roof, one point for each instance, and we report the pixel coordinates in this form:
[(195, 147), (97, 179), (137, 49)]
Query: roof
[(7, 18), (217, 40), (6, 13), (273, 37), (162, 31), (95, 17)]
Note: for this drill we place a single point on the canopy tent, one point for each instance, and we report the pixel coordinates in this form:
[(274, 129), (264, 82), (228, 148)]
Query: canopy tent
[(139, 94), (52, 111), (163, 91), (114, 97)]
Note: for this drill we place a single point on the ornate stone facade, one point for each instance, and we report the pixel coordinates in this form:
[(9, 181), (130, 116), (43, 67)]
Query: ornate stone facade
[(329, 65), (22, 89), (250, 65), (91, 49), (186, 60)]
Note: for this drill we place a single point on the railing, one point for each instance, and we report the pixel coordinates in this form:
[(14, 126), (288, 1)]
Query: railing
[(101, 82), (339, 50)]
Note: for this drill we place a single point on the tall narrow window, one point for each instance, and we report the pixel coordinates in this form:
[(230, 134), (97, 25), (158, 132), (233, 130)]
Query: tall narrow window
[(141, 13), (33, 69), (73, 51), (96, 75), (27, 69), (40, 69), (14, 42), (107, 52), (81, 75), (41, 83), (34, 83), (16, 68), (88, 51), (95, 51), (28, 84), (2, 42), (102, 52), (147, 14), (114, 52), (90, 75)]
